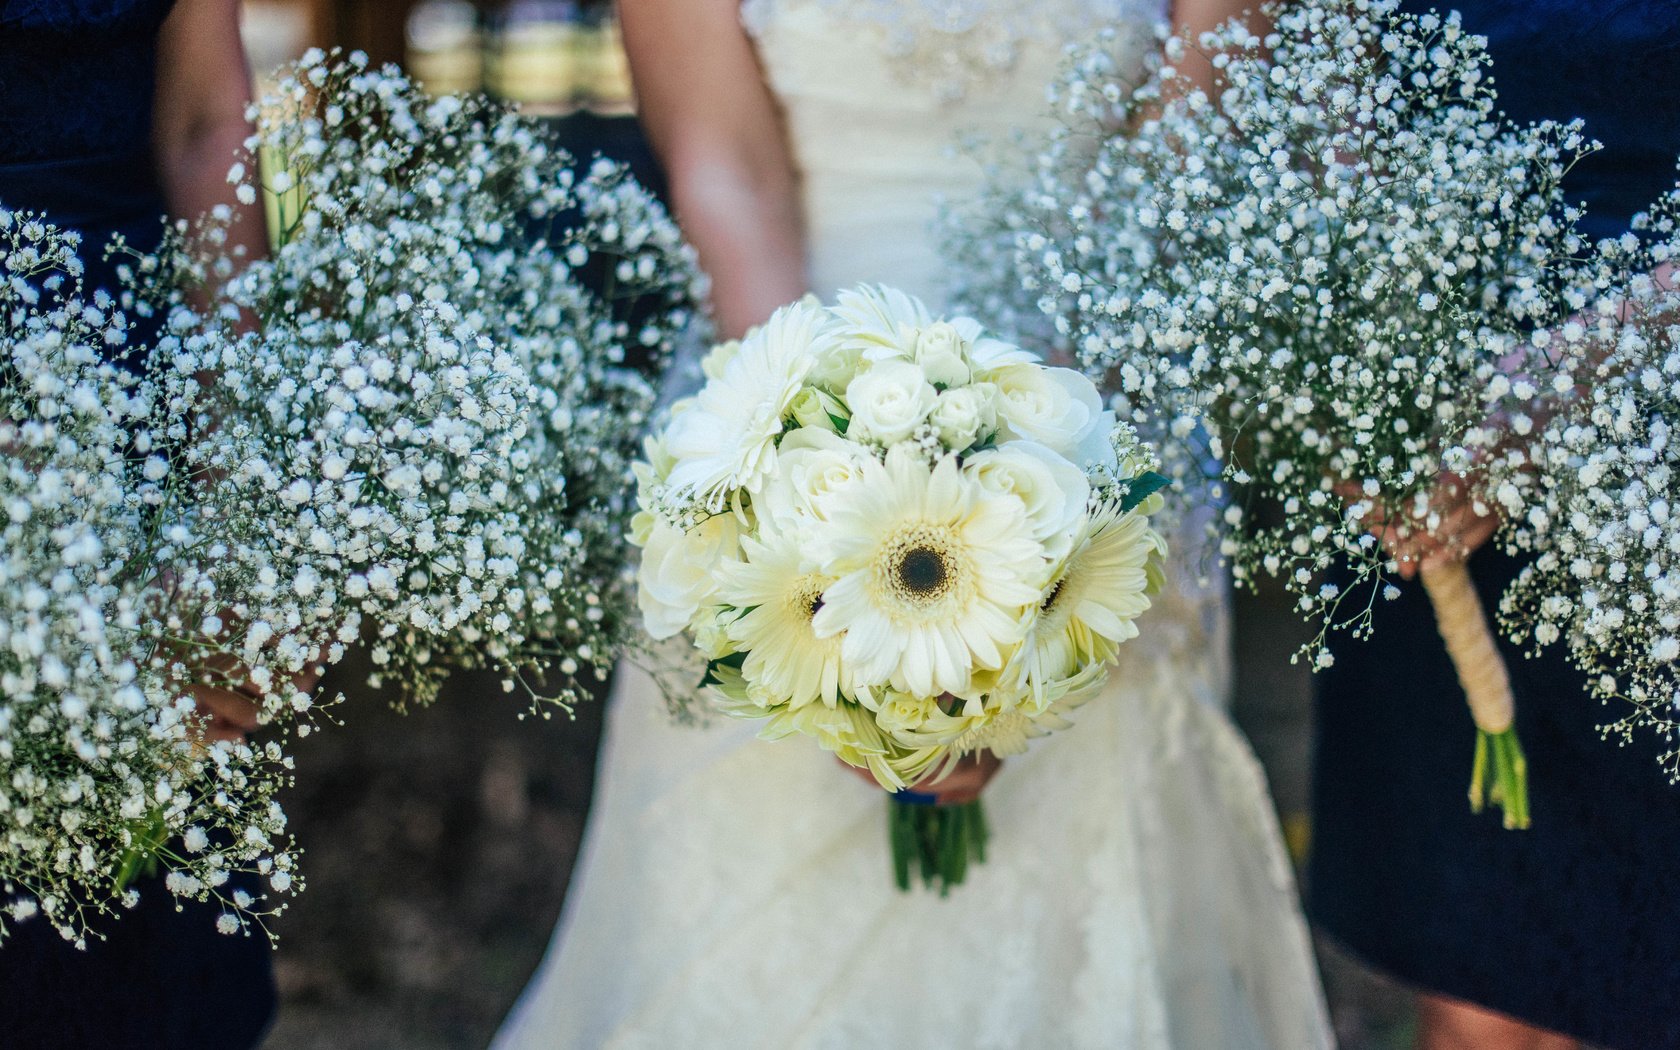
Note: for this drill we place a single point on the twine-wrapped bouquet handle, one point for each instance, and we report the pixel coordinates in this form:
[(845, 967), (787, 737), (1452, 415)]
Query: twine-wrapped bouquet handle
[(1487, 688)]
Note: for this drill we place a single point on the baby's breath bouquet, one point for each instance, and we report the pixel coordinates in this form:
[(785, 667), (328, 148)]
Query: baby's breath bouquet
[(418, 413), (102, 772), (1604, 518), (900, 537), (413, 421), (1324, 272)]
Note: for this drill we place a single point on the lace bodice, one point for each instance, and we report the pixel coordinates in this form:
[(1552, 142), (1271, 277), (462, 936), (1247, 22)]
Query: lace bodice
[(879, 94), (950, 46), (76, 78)]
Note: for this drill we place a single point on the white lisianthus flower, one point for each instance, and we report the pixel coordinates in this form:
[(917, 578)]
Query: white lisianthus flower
[(781, 590), (678, 571), (728, 439), (934, 573), (965, 415), (1056, 407), (819, 410), (1052, 491), (888, 402)]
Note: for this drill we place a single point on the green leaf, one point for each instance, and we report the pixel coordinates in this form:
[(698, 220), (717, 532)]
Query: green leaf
[(1141, 488), (734, 661)]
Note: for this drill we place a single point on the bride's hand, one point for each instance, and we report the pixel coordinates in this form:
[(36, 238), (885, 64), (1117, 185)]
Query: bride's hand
[(962, 786)]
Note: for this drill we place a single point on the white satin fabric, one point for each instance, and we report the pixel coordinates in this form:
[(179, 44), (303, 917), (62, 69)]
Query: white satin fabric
[(734, 893)]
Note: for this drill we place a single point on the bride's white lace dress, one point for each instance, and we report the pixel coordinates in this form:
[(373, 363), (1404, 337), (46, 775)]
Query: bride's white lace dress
[(734, 893)]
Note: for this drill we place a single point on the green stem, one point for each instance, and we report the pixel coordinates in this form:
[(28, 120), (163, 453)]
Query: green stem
[(938, 843), (1501, 754)]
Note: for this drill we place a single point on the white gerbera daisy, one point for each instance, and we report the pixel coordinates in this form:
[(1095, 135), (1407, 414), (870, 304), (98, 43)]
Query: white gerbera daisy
[(879, 321), (934, 574), (727, 439), (1091, 605), (781, 592)]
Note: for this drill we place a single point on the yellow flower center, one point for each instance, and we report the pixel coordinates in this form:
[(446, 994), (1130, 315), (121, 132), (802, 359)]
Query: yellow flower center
[(804, 596)]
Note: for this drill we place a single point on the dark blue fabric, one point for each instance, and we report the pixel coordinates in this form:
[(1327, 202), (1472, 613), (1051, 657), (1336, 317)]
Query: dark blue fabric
[(76, 95), (76, 87), (1573, 925)]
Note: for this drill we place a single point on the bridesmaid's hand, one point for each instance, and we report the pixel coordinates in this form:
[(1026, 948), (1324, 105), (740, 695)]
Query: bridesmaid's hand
[(1413, 545), (962, 786), (230, 709)]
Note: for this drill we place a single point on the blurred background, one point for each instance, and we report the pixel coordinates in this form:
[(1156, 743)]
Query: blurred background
[(438, 844)]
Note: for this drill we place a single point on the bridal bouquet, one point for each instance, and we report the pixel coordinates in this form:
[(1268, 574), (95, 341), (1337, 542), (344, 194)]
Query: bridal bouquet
[(1326, 272), (1604, 523), (899, 537)]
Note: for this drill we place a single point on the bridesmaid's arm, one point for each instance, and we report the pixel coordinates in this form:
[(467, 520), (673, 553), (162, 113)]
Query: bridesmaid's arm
[(711, 119), (1195, 17), (203, 87), (198, 128)]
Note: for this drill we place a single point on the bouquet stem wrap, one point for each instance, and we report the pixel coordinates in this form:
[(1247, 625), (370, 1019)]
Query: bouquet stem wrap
[(1487, 688)]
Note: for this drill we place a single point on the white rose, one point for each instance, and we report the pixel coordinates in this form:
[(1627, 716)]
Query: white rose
[(813, 469), (943, 354), (902, 713), (965, 415), (1056, 407), (817, 409), (678, 573), (888, 402), (1053, 490), (1097, 450), (835, 366)]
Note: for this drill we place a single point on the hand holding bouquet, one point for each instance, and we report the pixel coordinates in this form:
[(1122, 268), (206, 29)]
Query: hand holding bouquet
[(1325, 270), (899, 537)]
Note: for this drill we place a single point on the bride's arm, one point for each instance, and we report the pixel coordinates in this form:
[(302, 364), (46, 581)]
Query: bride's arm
[(717, 130)]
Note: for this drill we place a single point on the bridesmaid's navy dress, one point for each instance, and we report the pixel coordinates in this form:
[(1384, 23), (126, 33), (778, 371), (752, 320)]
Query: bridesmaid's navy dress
[(1573, 925), (76, 87)]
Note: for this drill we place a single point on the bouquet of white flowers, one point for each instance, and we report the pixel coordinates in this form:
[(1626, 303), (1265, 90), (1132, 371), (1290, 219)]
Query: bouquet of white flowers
[(104, 773), (1604, 519), (419, 412), (900, 537), (414, 420), (1324, 272)]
